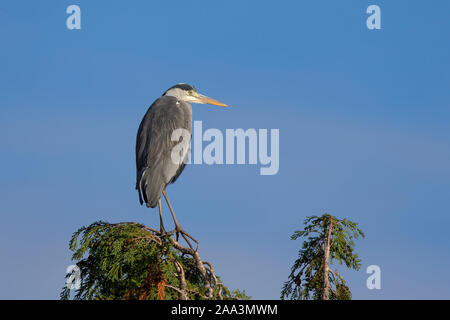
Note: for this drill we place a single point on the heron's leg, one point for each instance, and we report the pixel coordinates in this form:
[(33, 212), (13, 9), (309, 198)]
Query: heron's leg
[(178, 228), (161, 225)]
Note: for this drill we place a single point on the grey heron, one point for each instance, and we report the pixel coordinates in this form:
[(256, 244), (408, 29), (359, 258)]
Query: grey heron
[(155, 168)]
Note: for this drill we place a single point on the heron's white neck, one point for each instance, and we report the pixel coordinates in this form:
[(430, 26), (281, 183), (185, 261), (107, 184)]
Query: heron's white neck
[(177, 93)]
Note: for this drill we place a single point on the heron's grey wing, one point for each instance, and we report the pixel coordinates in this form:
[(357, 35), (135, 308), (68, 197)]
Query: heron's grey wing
[(154, 166)]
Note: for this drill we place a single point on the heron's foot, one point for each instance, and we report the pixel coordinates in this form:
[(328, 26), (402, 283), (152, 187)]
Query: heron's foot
[(186, 236)]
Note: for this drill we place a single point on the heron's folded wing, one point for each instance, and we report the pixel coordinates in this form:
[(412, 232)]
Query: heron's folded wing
[(155, 168)]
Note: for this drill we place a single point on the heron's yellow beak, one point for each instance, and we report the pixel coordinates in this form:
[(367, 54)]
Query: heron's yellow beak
[(207, 100)]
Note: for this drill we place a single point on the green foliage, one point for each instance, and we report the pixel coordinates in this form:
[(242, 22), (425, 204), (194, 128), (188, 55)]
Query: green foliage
[(306, 278), (128, 261)]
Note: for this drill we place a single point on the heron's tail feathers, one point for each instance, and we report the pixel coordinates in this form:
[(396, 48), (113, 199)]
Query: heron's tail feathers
[(150, 188)]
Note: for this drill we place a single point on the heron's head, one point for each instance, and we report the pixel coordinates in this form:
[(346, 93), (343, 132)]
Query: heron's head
[(188, 93)]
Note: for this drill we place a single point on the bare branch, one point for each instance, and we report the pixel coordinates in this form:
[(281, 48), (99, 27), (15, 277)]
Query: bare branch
[(181, 276)]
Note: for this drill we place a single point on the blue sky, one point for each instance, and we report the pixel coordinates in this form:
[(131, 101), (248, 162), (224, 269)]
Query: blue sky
[(363, 118)]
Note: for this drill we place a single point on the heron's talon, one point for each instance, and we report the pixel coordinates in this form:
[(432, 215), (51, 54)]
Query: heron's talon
[(186, 236)]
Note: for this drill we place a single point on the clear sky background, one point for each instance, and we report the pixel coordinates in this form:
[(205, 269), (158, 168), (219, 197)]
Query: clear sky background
[(364, 133)]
